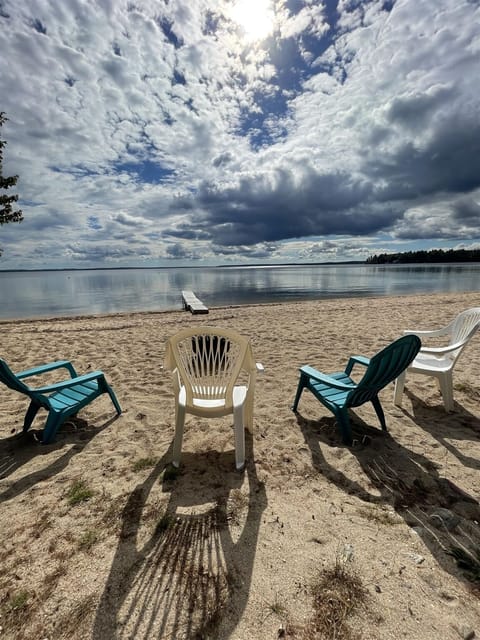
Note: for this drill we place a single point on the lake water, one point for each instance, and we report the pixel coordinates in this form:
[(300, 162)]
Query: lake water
[(67, 293)]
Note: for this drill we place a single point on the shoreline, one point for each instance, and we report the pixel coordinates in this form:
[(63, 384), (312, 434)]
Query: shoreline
[(85, 316), (212, 551)]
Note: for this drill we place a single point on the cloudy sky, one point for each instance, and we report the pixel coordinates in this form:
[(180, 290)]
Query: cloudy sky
[(164, 132)]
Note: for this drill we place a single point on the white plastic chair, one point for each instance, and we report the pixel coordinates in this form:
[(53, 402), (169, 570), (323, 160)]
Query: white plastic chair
[(440, 361), (207, 364)]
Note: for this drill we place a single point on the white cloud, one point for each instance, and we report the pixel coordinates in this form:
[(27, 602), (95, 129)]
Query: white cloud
[(368, 125)]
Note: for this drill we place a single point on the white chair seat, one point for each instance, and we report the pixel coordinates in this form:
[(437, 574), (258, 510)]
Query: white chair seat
[(424, 362), (239, 396)]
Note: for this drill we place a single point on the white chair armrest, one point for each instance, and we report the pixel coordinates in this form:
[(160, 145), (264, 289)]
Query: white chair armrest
[(439, 351), (428, 334)]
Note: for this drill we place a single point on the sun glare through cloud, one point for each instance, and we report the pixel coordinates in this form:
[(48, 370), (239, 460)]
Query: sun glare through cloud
[(255, 17)]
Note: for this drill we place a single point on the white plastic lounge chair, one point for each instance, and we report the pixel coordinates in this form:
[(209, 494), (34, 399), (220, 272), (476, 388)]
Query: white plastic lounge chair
[(440, 361), (207, 364)]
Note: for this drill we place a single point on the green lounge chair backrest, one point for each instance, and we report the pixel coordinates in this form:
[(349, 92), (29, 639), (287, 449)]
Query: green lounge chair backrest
[(383, 368), (10, 379)]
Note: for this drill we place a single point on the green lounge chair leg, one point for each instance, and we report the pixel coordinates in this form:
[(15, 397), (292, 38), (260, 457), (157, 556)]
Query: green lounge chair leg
[(54, 421), (30, 415), (345, 429), (379, 411), (302, 383)]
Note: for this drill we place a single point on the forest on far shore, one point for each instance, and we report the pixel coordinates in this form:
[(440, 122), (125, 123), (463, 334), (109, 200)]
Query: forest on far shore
[(433, 255)]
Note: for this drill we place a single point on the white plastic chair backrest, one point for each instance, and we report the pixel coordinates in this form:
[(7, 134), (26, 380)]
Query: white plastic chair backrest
[(462, 329), (209, 361)]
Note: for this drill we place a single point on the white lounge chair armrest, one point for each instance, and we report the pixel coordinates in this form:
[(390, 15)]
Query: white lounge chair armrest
[(443, 331), (428, 334), (439, 351)]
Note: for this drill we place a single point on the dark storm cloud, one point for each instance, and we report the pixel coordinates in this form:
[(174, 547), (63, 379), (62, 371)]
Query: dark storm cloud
[(448, 162), (279, 206), (467, 211)]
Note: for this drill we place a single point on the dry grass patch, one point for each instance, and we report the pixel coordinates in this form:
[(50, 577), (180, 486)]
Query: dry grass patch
[(16, 610), (79, 492), (378, 514), (144, 463), (337, 593), (88, 539), (78, 618), (237, 504)]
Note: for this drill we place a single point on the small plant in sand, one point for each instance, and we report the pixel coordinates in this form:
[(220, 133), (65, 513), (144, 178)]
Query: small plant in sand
[(277, 608), (15, 611), (237, 503), (87, 539), (74, 623), (144, 463), (79, 492), (18, 602), (377, 514), (337, 593)]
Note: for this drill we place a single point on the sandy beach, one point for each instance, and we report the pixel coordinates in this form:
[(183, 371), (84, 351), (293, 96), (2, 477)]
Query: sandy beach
[(101, 540)]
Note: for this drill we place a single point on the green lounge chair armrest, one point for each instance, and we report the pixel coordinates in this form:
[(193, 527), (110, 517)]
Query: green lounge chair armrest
[(94, 375), (356, 360), (34, 371), (322, 377)]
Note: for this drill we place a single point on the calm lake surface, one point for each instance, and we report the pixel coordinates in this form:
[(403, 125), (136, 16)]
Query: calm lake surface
[(67, 293)]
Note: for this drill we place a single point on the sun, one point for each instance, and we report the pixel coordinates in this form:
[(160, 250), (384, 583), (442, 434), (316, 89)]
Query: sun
[(255, 17)]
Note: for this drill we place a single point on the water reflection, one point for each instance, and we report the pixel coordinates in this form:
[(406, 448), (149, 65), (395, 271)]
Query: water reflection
[(64, 293)]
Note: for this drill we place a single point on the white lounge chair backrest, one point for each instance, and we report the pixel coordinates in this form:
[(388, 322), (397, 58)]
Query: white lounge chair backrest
[(462, 330), (213, 375), (208, 361)]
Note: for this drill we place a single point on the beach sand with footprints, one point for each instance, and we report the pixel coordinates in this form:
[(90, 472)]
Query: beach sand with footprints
[(101, 539)]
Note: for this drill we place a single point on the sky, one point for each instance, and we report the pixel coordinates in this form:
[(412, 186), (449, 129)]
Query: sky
[(212, 132)]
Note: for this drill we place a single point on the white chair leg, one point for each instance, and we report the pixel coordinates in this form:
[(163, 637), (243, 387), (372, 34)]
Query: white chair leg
[(239, 437), (399, 385), (446, 387), (177, 442)]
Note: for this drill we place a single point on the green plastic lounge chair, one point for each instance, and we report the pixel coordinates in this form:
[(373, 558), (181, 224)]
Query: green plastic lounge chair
[(338, 392), (62, 399)]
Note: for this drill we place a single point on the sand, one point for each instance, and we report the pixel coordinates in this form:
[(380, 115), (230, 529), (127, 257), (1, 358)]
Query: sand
[(100, 540)]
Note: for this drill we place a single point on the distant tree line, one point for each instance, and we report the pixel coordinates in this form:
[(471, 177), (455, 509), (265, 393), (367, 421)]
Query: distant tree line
[(434, 255)]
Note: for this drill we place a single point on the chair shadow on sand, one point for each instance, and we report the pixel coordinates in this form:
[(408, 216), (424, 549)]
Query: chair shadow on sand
[(443, 515), (192, 575), (441, 429), (21, 448)]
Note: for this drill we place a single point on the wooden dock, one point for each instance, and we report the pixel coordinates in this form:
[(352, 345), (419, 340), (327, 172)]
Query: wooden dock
[(192, 303)]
